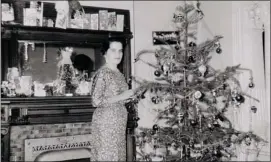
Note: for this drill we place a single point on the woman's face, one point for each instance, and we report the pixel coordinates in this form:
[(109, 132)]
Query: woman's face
[(114, 54)]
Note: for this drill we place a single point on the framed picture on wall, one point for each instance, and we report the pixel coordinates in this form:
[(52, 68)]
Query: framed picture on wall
[(162, 37)]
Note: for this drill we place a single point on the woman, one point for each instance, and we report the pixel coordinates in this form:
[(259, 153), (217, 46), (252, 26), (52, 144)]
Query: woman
[(110, 118)]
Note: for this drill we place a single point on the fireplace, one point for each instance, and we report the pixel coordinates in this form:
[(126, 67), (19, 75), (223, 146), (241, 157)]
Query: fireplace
[(51, 129), (58, 148), (50, 142)]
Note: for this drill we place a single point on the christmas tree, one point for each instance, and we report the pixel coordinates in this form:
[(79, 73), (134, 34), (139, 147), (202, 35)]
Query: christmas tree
[(197, 97)]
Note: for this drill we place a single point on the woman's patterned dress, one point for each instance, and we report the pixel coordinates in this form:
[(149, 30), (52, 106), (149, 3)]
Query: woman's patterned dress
[(109, 120)]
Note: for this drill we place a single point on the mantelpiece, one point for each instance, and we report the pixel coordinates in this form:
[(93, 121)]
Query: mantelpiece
[(32, 114)]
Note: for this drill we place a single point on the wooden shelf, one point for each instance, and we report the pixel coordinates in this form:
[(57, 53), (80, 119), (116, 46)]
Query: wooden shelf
[(57, 34)]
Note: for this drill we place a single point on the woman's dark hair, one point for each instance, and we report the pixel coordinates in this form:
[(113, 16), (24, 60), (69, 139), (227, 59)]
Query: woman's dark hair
[(106, 45)]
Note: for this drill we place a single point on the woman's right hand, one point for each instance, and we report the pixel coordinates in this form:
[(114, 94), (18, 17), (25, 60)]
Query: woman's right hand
[(129, 93)]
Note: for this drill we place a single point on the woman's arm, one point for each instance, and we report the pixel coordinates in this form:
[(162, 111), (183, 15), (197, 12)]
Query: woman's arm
[(99, 87), (123, 96)]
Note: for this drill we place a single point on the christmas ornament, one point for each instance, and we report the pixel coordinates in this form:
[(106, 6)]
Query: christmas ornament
[(217, 44), (178, 15), (254, 109), (190, 78), (239, 98), (177, 47), (157, 73), (216, 124), (214, 93), (248, 141), (180, 115), (202, 69), (165, 68), (251, 85), (219, 50), (210, 125), (198, 95), (155, 127), (193, 122), (191, 59), (192, 44), (155, 100)]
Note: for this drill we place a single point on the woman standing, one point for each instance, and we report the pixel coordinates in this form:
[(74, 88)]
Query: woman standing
[(110, 118)]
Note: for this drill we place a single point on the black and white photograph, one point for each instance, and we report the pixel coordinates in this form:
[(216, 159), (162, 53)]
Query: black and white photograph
[(153, 81)]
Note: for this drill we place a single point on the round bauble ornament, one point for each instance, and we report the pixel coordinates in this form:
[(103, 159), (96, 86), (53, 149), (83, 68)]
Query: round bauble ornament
[(253, 109), (155, 127), (198, 95), (251, 85), (240, 98), (191, 59), (219, 50), (157, 73), (193, 122)]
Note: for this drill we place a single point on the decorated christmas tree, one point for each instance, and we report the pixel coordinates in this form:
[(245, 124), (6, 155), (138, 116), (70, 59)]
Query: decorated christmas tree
[(197, 97)]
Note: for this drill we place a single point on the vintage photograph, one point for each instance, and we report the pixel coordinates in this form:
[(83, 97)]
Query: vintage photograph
[(154, 81)]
